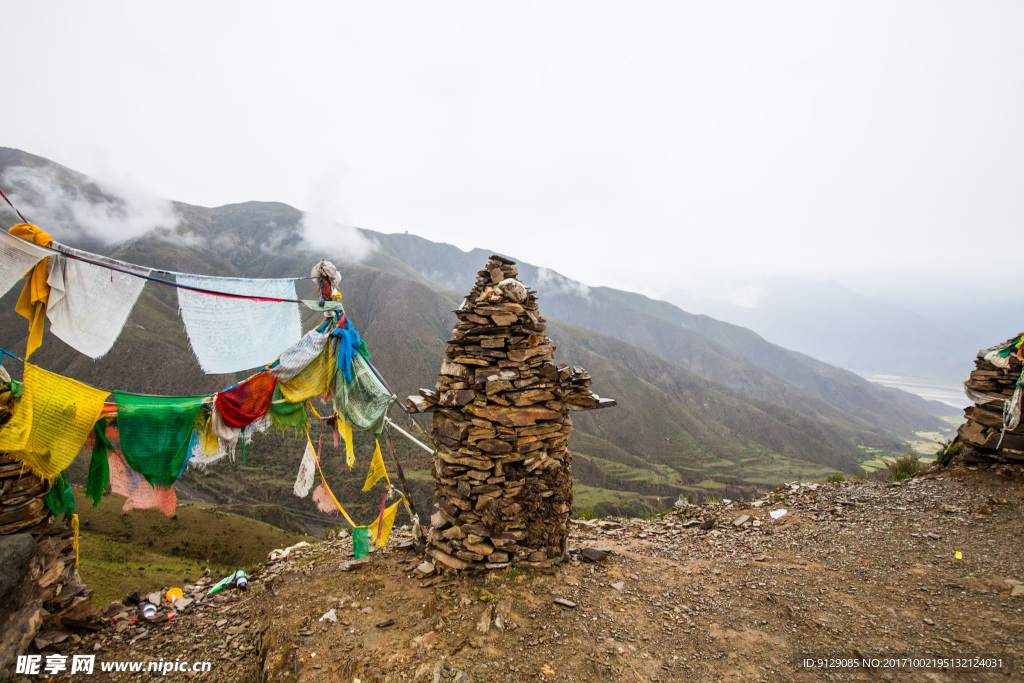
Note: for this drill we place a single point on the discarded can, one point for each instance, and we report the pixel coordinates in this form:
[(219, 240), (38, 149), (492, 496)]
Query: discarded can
[(147, 610)]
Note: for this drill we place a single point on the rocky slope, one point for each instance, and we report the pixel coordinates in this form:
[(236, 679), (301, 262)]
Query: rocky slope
[(863, 572)]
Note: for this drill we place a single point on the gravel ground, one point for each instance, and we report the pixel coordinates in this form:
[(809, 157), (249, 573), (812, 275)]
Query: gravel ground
[(854, 580)]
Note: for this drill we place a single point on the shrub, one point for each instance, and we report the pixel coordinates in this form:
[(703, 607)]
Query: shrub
[(586, 514), (904, 466), (837, 477)]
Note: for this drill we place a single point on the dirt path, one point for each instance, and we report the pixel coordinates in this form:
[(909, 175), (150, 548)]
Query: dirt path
[(850, 572)]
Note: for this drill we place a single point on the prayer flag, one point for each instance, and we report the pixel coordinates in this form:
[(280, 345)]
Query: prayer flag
[(243, 404), (32, 302), (156, 432), (18, 256), (54, 417), (381, 528), (376, 469), (229, 334), (89, 305)]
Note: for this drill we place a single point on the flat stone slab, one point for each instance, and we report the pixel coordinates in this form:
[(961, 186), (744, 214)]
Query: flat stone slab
[(595, 554)]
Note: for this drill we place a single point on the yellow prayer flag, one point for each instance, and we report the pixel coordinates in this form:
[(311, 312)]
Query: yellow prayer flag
[(36, 292), (312, 380), (211, 444), (381, 527), (54, 417), (376, 469), (346, 432)]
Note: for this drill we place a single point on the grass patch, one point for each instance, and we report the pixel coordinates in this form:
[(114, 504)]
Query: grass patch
[(905, 466)]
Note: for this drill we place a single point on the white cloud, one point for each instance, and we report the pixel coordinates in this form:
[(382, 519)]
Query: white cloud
[(326, 226), (550, 282), (112, 212)]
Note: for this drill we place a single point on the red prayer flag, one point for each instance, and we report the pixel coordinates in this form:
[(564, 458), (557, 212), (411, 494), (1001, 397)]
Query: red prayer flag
[(244, 404)]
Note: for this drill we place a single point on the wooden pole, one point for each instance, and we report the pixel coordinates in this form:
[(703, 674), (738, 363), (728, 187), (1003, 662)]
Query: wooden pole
[(398, 466)]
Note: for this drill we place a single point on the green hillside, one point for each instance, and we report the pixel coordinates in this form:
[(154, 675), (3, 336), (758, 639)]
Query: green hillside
[(694, 416)]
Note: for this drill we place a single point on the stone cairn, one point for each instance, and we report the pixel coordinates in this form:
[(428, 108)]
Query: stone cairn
[(994, 431), (501, 431), (41, 595)]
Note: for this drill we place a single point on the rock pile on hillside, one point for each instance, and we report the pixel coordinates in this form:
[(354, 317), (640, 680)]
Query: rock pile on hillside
[(41, 597), (993, 431), (501, 428)]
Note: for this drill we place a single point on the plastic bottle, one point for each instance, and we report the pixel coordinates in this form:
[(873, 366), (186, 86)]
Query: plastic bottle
[(148, 610), (238, 578)]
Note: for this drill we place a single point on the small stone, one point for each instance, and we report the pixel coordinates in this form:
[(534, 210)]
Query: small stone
[(183, 603), (595, 554), (929, 621), (707, 524), (620, 585), (565, 603), (1017, 591), (741, 520), (115, 608), (353, 564), (425, 568), (426, 641)]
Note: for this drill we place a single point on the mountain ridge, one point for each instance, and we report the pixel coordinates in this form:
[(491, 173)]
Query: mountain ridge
[(675, 432)]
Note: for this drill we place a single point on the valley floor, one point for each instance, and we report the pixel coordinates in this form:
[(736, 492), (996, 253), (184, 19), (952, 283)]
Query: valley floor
[(852, 572)]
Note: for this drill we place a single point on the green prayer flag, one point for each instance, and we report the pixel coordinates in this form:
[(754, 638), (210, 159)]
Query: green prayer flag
[(60, 499), (363, 401), (283, 414), (155, 433), (99, 468), (361, 541)]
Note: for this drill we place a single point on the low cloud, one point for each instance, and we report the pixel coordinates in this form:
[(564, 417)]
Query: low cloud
[(550, 282), (326, 226), (112, 212)]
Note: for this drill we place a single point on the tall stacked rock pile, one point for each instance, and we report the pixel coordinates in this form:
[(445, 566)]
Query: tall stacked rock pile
[(41, 595), (994, 431), (501, 430)]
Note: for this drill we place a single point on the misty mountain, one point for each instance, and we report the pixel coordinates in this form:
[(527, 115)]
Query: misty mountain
[(728, 354), (704, 407), (829, 321)]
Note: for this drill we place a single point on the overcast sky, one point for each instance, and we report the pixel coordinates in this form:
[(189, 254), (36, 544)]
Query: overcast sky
[(641, 145)]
